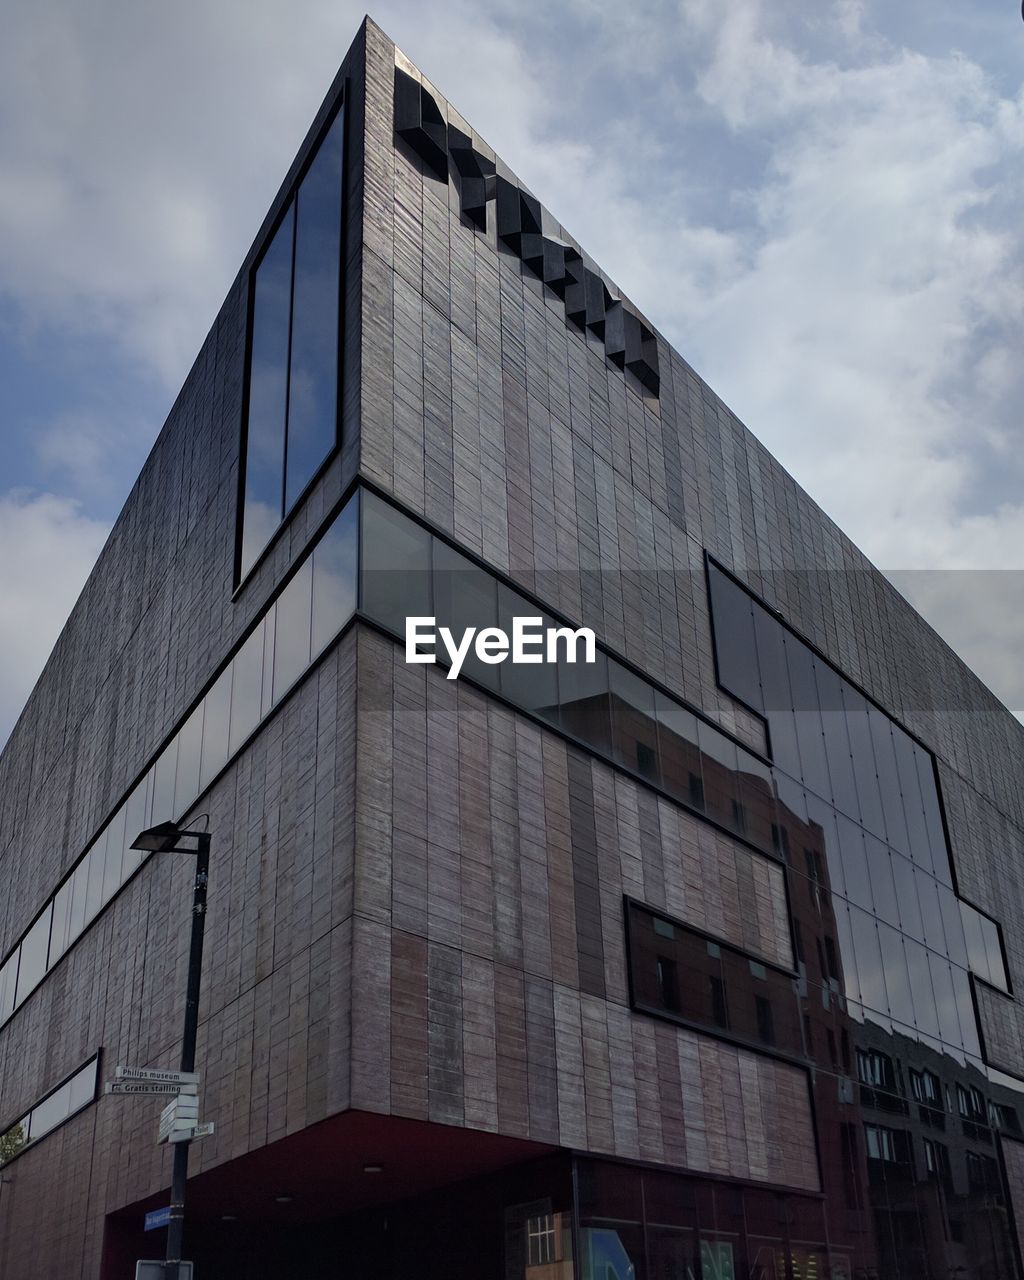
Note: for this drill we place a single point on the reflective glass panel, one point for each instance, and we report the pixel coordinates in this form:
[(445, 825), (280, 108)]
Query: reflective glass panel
[(246, 688), (268, 395), (465, 597), (533, 686), (736, 652), (50, 1113), (8, 984), (293, 629), (681, 771), (395, 581), (313, 385), (59, 932), (335, 577), (584, 707), (113, 876), (190, 747), (164, 773), (216, 728), (634, 728), (34, 948)]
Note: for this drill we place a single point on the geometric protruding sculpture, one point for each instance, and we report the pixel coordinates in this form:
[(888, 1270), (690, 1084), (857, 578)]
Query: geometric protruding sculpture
[(448, 152), (419, 121)]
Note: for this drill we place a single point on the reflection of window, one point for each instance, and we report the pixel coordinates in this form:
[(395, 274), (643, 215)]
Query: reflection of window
[(926, 1088), (982, 1172), (293, 361), (970, 1103), (719, 1009), (540, 1240), (874, 1068), (765, 1022), (668, 988), (936, 1157), (884, 1144), (1004, 1117)]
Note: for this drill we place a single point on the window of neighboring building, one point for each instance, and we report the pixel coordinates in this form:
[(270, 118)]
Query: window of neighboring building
[(875, 1069), (936, 1157), (926, 1087), (292, 421), (1004, 1117), (890, 1146)]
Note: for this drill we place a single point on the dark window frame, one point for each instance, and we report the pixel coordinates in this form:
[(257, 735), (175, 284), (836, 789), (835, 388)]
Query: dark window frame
[(286, 206)]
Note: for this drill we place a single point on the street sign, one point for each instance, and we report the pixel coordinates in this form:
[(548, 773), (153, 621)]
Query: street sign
[(157, 1269), (178, 1119), (158, 1218), (187, 1135), (156, 1075), (135, 1088)]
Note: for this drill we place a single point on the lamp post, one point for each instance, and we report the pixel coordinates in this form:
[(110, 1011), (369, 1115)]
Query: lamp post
[(167, 838)]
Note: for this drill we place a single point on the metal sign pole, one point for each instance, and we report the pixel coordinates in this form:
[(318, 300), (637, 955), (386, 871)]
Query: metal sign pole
[(179, 1175)]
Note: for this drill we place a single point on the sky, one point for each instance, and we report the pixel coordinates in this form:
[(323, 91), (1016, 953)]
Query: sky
[(818, 202)]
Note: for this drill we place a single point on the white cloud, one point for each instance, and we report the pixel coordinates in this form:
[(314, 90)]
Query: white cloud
[(49, 548)]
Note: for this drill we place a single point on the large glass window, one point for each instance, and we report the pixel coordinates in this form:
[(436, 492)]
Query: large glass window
[(307, 615), (58, 1106), (295, 350)]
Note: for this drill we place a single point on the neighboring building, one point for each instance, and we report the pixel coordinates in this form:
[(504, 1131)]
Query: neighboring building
[(694, 963)]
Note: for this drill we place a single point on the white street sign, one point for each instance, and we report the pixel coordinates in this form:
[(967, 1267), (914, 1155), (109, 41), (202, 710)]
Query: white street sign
[(157, 1076), (197, 1131), (124, 1088)]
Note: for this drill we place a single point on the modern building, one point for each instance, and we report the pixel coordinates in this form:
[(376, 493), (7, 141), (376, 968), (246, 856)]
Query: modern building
[(698, 961)]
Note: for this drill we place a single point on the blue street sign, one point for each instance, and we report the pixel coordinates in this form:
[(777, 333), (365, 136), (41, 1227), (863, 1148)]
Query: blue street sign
[(158, 1218)]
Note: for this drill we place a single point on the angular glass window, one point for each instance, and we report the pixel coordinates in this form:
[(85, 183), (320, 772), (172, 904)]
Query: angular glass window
[(136, 821), (913, 806), (928, 781), (778, 695), (268, 395), (164, 772), (584, 708), (293, 630), (757, 799), (34, 950), (335, 577), (190, 748), (532, 686), (682, 773), (95, 862), (8, 984), (79, 899), (216, 728), (994, 950), (395, 579), (246, 689), (862, 754), (888, 780), (634, 728), (720, 765), (887, 891), (735, 650), (465, 596), (60, 929), (113, 876), (295, 350), (837, 741), (49, 1113), (313, 384), (82, 1086), (809, 731)]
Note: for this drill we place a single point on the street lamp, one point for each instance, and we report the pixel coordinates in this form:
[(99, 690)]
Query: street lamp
[(167, 837)]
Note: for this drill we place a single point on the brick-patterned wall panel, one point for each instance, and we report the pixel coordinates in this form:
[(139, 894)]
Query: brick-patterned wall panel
[(490, 985), (275, 1043), (446, 1036), (512, 430)]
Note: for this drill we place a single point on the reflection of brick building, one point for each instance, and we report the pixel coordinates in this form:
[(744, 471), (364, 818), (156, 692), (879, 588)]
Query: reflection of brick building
[(581, 971)]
